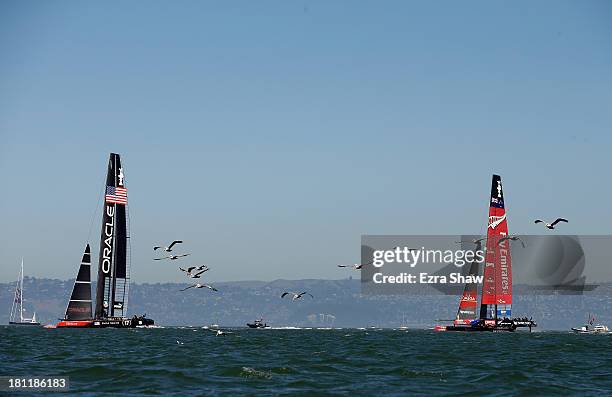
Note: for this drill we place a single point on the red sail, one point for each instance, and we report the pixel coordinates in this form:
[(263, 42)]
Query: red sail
[(468, 305), (497, 283)]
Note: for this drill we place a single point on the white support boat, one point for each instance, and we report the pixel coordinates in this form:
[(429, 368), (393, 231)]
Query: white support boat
[(590, 328)]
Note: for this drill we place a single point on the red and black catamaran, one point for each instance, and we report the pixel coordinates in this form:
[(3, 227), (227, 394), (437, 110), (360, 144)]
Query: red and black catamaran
[(113, 267), (496, 301)]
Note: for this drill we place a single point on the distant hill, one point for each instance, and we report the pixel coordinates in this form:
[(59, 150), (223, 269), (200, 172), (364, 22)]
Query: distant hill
[(337, 302)]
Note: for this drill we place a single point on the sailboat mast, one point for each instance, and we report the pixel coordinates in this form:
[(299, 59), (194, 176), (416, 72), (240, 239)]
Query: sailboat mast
[(21, 293), (16, 299), (113, 282), (497, 283), (113, 242)]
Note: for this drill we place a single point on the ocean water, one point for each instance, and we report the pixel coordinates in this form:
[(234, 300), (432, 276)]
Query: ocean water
[(310, 362)]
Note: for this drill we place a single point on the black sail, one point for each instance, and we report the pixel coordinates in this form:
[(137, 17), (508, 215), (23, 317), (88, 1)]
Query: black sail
[(112, 268), (79, 306)]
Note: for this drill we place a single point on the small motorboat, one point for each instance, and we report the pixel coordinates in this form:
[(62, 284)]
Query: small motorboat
[(258, 324), (590, 328)]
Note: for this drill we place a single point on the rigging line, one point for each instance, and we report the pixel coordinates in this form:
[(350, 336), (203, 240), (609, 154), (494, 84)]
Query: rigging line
[(128, 264), (15, 297), (93, 216)]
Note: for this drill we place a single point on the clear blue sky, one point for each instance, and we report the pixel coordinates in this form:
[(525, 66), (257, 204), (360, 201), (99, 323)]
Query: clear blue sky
[(271, 135)]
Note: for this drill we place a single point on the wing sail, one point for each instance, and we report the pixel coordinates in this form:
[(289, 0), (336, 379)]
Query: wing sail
[(79, 306)]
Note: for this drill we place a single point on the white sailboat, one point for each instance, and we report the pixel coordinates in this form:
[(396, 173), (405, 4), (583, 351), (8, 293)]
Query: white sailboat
[(17, 306), (404, 326)]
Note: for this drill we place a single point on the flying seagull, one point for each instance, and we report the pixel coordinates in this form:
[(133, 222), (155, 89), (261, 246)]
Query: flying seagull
[(513, 238), (200, 286), (168, 248), (196, 275), (356, 266), (191, 269), (477, 241), (551, 226), (296, 295), (171, 257), (359, 266)]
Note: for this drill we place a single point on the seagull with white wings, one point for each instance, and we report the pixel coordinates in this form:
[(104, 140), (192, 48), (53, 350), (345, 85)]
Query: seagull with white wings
[(359, 266), (168, 248), (200, 286), (551, 226), (195, 271), (192, 268), (476, 241), (197, 274), (511, 238), (171, 257), (356, 266), (296, 295)]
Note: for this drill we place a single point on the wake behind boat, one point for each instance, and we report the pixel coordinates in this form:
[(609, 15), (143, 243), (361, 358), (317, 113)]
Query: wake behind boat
[(113, 266), (18, 305)]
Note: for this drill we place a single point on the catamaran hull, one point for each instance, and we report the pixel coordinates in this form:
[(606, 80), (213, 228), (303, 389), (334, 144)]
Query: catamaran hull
[(26, 323), (473, 329), (108, 323), (503, 326), (257, 325), (74, 324)]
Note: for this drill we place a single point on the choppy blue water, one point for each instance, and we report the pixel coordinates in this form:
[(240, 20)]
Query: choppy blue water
[(310, 362)]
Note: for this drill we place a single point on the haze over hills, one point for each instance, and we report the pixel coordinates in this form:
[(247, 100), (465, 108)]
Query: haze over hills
[(337, 303)]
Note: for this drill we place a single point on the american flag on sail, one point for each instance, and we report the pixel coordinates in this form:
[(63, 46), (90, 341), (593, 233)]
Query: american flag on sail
[(116, 195)]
